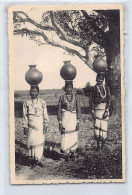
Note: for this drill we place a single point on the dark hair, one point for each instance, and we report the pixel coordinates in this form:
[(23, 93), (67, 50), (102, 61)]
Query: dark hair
[(100, 75), (34, 86), (68, 83)]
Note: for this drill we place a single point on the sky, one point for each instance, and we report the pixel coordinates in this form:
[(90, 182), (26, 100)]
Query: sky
[(49, 60)]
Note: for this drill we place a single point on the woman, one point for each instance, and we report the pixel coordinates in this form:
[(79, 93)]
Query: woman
[(35, 123), (69, 118), (100, 109)]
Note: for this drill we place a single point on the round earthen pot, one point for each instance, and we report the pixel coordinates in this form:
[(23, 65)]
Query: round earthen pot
[(68, 71), (33, 76), (100, 65)]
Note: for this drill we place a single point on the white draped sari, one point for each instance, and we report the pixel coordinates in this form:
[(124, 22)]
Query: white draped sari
[(100, 123), (34, 117), (69, 138)]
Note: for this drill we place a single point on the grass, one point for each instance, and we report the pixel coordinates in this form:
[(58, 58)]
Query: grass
[(90, 164)]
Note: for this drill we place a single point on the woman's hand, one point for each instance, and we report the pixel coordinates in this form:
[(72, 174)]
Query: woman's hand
[(45, 129), (105, 115), (78, 125), (25, 131), (60, 126), (93, 115)]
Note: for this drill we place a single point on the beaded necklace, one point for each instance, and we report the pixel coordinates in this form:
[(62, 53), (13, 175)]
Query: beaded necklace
[(69, 102), (101, 95)]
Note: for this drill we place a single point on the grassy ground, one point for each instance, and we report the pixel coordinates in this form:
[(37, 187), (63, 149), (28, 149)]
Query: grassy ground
[(90, 164)]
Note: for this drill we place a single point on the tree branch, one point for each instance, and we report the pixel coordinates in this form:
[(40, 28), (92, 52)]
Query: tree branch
[(56, 28), (48, 41), (28, 19), (72, 51), (61, 33), (27, 32), (96, 29)]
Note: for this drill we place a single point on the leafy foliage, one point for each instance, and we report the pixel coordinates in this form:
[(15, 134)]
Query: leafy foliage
[(87, 89), (91, 33)]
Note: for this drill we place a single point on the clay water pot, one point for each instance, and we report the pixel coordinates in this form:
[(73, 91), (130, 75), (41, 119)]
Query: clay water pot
[(33, 76), (68, 71), (100, 65)]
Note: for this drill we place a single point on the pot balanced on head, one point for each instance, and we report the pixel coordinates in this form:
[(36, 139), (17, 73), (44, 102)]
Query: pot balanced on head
[(100, 65), (100, 102), (35, 117), (33, 76), (68, 112)]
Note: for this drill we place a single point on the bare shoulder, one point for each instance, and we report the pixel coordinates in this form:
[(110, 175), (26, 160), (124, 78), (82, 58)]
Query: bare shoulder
[(61, 97)]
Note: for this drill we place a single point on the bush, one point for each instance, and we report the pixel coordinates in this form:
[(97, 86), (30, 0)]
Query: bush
[(87, 89), (80, 91)]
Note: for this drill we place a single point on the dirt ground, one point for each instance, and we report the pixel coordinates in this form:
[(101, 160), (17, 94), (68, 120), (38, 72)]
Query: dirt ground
[(90, 163)]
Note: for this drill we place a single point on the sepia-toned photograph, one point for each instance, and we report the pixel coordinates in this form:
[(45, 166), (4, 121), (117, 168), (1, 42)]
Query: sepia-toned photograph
[(66, 94)]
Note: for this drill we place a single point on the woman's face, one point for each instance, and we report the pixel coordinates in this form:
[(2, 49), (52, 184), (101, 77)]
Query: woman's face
[(33, 93), (68, 89), (100, 80)]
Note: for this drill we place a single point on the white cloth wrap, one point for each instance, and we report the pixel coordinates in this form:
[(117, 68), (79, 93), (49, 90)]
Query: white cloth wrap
[(100, 123), (35, 136), (69, 140), (35, 115)]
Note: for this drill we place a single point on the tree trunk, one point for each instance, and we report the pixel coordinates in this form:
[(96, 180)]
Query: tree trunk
[(112, 48), (113, 76)]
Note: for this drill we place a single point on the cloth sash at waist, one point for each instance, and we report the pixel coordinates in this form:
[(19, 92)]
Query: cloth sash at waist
[(69, 120), (35, 123), (69, 137), (100, 106), (99, 111), (35, 135)]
